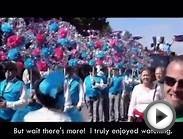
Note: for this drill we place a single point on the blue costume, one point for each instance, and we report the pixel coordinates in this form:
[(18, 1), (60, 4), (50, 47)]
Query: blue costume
[(20, 113), (116, 85), (115, 91), (92, 97), (89, 83), (10, 91)]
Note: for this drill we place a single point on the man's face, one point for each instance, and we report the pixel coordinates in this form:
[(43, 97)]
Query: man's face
[(159, 74), (10, 74), (173, 85)]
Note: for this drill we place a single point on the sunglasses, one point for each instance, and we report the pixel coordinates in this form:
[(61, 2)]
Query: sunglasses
[(170, 81)]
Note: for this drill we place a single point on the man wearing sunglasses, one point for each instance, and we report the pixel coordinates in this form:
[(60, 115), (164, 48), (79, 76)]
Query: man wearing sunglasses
[(173, 86)]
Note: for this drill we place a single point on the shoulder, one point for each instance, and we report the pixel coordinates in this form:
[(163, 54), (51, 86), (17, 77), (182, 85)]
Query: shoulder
[(138, 86)]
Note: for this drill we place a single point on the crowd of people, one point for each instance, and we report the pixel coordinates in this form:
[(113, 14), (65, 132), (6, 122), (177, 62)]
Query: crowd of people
[(109, 95), (50, 73)]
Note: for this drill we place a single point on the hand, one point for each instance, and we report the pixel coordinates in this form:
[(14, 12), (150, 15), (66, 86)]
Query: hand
[(3, 104)]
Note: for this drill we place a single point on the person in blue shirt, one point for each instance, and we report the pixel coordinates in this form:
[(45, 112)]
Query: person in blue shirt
[(92, 93), (115, 90), (74, 95), (104, 97), (30, 76), (49, 91), (10, 90)]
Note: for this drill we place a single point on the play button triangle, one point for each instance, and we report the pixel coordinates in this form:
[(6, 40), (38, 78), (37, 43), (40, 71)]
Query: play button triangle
[(160, 116)]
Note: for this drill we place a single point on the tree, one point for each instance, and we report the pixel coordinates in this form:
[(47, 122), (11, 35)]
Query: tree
[(83, 24)]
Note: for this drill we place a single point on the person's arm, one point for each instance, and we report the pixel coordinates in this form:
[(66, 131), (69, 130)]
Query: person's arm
[(81, 95), (132, 105), (23, 100), (159, 93), (67, 96)]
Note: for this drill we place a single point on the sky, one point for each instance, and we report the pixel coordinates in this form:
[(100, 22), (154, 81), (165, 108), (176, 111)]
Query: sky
[(149, 27)]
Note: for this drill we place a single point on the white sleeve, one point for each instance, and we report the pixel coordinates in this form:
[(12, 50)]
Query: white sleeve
[(159, 93), (23, 100), (84, 88), (81, 93), (132, 102)]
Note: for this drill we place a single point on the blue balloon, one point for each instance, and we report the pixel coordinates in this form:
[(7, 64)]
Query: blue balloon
[(119, 65), (90, 44), (29, 63), (46, 52), (64, 42), (119, 48), (73, 62), (84, 54), (52, 84), (13, 54), (73, 43), (100, 55), (92, 62), (6, 28), (105, 47), (54, 27)]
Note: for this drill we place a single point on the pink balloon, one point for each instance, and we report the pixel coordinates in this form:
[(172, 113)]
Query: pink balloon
[(98, 44), (36, 52), (42, 65), (20, 65), (113, 42), (13, 41), (58, 53), (116, 59), (99, 62), (40, 38), (63, 32), (3, 56)]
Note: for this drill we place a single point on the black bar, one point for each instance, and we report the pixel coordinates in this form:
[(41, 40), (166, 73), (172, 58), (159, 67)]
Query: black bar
[(83, 129)]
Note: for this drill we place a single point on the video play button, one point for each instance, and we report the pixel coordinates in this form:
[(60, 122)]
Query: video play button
[(159, 116)]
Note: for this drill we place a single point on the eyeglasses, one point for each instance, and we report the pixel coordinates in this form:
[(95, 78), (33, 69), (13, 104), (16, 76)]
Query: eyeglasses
[(170, 81)]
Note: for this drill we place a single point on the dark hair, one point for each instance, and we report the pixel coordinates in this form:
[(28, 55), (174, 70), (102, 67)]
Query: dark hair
[(11, 66), (83, 71), (2, 71), (69, 70), (45, 100), (146, 69), (151, 71), (35, 75)]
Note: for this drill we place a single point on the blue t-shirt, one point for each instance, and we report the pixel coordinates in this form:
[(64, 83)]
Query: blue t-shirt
[(89, 82), (116, 85), (12, 93)]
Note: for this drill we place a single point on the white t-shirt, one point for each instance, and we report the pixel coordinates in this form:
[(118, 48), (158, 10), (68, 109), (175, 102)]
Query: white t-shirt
[(141, 98), (46, 115)]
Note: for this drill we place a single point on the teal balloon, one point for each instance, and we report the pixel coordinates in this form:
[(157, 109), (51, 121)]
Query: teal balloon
[(6, 28), (90, 44), (54, 27), (29, 63), (64, 42), (13, 54), (46, 52), (73, 62), (92, 62)]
